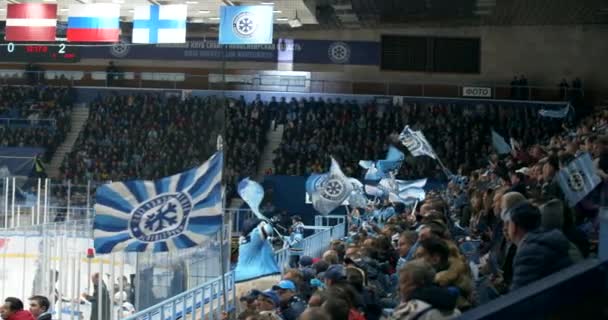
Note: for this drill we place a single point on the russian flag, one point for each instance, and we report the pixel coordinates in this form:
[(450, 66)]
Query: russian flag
[(98, 22), (31, 22)]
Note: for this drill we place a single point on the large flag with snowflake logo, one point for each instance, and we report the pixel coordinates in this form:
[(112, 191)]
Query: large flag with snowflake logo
[(578, 179), (246, 25), (176, 212), (329, 190)]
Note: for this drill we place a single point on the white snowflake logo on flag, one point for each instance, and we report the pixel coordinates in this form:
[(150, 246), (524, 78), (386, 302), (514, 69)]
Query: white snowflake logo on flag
[(244, 24)]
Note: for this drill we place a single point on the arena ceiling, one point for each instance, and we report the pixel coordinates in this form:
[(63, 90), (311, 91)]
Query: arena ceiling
[(319, 14), (374, 13)]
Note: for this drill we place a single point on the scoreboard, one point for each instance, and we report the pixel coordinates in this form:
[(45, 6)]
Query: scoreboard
[(56, 52)]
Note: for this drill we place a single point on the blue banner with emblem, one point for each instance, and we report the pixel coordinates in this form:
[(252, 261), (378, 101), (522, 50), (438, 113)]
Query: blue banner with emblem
[(246, 25), (176, 212), (578, 179)]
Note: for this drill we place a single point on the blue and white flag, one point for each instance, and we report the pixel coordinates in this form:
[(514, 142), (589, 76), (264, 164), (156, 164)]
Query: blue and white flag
[(500, 144), (408, 195), (379, 169), (405, 184), (252, 193), (557, 113), (246, 25), (578, 179), (372, 173), (416, 143), (357, 197), (375, 191), (392, 162), (160, 24), (176, 212), (328, 190)]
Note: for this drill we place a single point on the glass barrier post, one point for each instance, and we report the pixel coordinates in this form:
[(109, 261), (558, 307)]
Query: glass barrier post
[(603, 238)]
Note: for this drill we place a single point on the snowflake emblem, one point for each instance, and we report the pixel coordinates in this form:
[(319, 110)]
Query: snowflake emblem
[(244, 24), (333, 189), (161, 218), (576, 181), (339, 52), (164, 217), (120, 49)]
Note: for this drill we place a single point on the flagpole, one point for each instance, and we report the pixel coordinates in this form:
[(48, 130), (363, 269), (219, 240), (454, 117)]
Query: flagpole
[(220, 148)]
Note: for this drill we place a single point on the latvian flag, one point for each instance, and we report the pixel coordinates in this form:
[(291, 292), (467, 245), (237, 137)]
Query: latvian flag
[(97, 22), (31, 22)]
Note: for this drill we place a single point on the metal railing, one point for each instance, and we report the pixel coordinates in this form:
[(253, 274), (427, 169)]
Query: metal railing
[(203, 302), (315, 244), (24, 122), (285, 83)]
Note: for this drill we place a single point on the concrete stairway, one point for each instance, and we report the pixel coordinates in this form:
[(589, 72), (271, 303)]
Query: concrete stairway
[(79, 117), (273, 140)]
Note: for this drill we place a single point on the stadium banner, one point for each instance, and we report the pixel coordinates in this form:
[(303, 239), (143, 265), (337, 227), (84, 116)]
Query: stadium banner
[(477, 92), (245, 25), (208, 49)]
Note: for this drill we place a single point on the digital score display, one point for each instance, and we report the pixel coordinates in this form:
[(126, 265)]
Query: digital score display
[(39, 53)]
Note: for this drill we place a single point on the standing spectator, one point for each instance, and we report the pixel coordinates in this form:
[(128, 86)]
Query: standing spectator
[(421, 299), (111, 74), (12, 309), (295, 241), (104, 304), (39, 307)]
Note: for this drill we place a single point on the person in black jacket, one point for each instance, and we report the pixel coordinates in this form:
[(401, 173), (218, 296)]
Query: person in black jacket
[(39, 307), (539, 253)]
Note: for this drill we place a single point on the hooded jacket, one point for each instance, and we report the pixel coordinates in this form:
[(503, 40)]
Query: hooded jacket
[(538, 255), (428, 303)]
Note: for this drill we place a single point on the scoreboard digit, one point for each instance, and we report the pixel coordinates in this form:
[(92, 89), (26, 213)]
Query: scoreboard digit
[(59, 52)]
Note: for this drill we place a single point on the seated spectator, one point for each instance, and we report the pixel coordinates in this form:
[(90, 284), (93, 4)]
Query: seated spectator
[(539, 253), (12, 309), (267, 304), (356, 278), (552, 218), (250, 303), (337, 308), (291, 305), (39, 307), (335, 274), (407, 247), (315, 313), (420, 298), (452, 273)]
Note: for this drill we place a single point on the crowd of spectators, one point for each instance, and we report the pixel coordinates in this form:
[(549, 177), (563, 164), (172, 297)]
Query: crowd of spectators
[(144, 136), (35, 116), (495, 229), (246, 127), (459, 133)]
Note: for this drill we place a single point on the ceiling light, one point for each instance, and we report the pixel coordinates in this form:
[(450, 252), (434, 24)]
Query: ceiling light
[(49, 1), (282, 19), (214, 18), (64, 9), (267, 3), (277, 11), (204, 11), (191, 2)]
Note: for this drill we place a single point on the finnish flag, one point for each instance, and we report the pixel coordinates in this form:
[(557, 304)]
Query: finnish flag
[(160, 24)]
